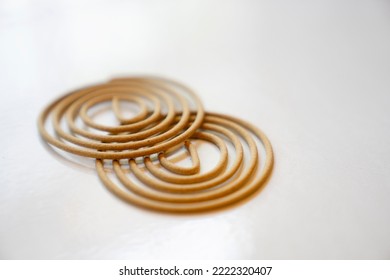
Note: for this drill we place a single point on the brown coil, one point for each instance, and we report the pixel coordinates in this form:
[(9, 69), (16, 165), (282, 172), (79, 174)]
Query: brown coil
[(170, 116), (143, 135)]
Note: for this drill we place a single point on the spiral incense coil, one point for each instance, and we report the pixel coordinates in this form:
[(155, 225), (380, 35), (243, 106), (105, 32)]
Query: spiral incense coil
[(145, 134), (133, 158), (169, 190)]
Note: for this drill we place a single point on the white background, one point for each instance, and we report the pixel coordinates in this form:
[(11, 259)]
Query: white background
[(314, 75)]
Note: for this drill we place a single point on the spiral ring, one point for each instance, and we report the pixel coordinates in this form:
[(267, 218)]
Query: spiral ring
[(151, 135), (198, 193)]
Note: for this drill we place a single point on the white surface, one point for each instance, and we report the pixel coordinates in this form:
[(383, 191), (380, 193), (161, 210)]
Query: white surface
[(314, 75)]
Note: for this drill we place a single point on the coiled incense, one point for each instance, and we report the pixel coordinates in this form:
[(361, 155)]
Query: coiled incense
[(167, 120), (153, 134)]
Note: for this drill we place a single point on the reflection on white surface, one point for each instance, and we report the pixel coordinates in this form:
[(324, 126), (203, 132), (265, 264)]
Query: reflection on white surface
[(313, 75)]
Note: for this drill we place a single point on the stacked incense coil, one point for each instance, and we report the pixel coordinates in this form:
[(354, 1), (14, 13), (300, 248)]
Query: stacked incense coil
[(169, 117)]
